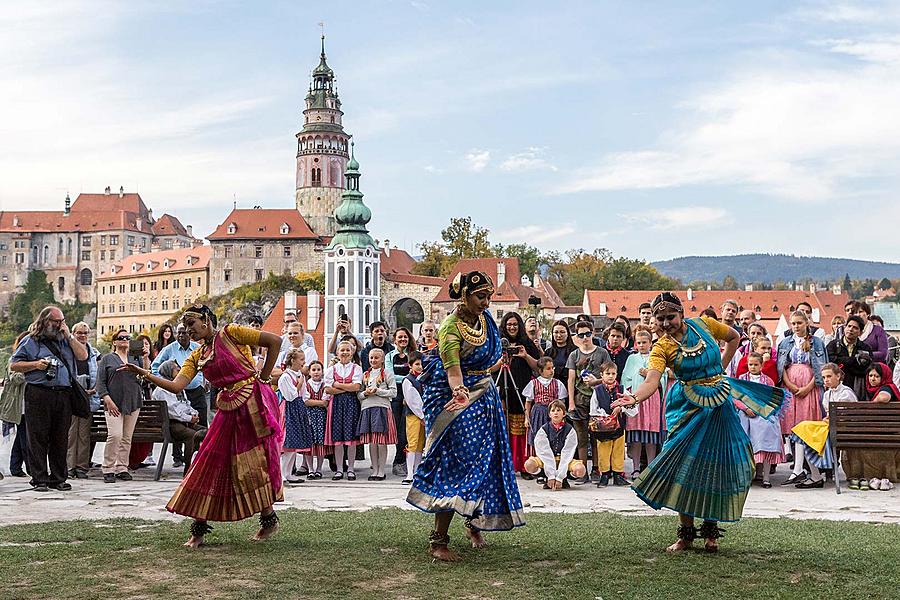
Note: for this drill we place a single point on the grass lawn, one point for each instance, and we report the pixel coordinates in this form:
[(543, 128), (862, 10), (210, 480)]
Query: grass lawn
[(381, 554)]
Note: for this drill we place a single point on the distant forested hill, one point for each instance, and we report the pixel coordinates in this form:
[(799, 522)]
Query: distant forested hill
[(771, 268)]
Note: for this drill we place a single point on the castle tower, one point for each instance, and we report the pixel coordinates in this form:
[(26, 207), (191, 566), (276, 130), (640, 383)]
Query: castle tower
[(352, 264), (321, 152)]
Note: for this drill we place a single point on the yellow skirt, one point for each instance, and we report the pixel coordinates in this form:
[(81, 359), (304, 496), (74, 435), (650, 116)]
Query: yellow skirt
[(813, 433)]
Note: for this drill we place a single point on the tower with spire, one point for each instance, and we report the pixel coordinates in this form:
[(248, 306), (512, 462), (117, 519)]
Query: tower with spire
[(352, 263), (322, 156)]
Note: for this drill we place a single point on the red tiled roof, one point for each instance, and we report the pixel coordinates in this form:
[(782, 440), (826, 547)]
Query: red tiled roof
[(410, 278), (46, 221), (110, 202), (399, 261), (772, 303), (169, 225), (275, 322), (154, 263), (263, 223)]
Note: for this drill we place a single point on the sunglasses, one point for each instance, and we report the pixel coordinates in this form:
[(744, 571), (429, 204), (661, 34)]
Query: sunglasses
[(583, 334), (123, 338)]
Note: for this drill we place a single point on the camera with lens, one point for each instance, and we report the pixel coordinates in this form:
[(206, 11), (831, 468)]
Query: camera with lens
[(52, 368)]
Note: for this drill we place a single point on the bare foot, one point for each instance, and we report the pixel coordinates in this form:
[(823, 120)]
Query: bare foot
[(443, 553), (264, 534), (195, 542), (679, 546), (476, 538), (712, 545)]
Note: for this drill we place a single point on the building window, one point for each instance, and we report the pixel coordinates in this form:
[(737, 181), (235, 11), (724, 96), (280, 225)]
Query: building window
[(2, 259), (198, 282), (59, 247), (86, 241), (287, 252), (165, 285), (61, 284), (152, 303), (144, 243), (152, 286), (143, 286), (20, 258), (113, 240), (112, 255), (229, 250), (85, 255), (142, 307), (227, 274), (368, 315), (167, 244), (102, 240), (258, 251), (131, 328), (102, 309), (176, 304), (112, 308), (368, 277), (87, 278), (130, 240), (258, 274), (317, 177), (187, 282), (122, 288), (103, 255), (232, 228), (175, 284), (165, 305), (132, 287), (285, 229), (342, 278), (121, 308)]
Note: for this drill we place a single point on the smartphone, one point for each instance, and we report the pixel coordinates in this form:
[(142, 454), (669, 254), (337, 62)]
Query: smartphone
[(135, 347)]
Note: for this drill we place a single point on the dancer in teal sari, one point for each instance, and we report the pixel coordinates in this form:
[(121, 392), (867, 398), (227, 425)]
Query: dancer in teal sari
[(706, 464)]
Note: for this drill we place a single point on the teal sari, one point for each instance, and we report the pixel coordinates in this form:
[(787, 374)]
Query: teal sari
[(706, 464)]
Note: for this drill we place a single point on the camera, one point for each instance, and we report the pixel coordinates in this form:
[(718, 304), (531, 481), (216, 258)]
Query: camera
[(52, 368), (534, 300)]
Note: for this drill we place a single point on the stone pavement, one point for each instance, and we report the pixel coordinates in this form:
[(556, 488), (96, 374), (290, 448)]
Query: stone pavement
[(146, 499)]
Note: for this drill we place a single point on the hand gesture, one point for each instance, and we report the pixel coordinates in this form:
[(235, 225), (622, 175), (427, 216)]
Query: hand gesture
[(134, 369), (642, 372), (521, 352), (43, 364), (111, 407), (616, 411), (624, 401), (64, 329), (591, 380), (749, 413)]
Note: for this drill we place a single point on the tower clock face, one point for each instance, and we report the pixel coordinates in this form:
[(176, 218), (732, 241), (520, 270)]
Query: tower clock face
[(318, 117)]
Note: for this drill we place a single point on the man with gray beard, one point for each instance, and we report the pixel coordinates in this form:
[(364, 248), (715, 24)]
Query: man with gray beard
[(47, 357)]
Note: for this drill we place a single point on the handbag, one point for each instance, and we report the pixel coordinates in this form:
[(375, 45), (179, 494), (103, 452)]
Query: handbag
[(79, 398), (605, 424)]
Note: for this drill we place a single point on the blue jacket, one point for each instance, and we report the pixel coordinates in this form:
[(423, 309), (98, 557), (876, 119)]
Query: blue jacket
[(93, 357), (817, 354)]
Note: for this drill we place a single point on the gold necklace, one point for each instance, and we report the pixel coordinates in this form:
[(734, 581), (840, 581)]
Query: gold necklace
[(471, 335)]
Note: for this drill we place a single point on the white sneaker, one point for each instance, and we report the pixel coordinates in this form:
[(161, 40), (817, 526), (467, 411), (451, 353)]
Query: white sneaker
[(874, 483), (886, 485), (150, 461)]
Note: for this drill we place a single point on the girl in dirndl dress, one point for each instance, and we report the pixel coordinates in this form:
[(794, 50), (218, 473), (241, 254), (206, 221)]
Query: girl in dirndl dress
[(317, 408), (343, 380), (646, 432), (538, 394), (297, 430), (376, 422), (765, 435)]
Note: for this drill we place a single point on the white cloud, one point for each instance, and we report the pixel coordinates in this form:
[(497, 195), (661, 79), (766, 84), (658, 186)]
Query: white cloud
[(693, 217), (529, 160), (781, 128), (535, 234), (433, 169), (478, 159)]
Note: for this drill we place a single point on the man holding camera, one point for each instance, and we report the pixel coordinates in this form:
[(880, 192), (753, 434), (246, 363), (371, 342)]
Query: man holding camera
[(47, 357)]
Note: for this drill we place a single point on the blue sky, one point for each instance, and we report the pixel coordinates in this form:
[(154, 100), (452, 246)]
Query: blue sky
[(653, 129)]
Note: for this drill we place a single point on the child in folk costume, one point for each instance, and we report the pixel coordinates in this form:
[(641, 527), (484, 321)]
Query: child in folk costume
[(376, 422), (415, 416), (539, 393), (343, 380), (297, 430), (646, 432), (555, 444), (811, 437), (607, 426), (765, 435), (317, 407)]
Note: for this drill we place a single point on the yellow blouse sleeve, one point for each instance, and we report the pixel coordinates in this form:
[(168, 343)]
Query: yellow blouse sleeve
[(662, 355), (449, 342), (717, 329), (189, 368), (243, 335)]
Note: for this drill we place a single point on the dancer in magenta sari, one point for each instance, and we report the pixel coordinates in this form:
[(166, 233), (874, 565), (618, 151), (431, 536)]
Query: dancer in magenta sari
[(236, 472)]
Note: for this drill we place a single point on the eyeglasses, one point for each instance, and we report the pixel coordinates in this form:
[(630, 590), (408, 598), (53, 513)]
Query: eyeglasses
[(123, 338), (82, 332), (583, 334)]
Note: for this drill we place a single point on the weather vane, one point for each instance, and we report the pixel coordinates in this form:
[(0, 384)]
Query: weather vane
[(322, 25)]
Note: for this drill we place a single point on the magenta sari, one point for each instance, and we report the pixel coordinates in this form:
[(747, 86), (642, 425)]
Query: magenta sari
[(236, 473)]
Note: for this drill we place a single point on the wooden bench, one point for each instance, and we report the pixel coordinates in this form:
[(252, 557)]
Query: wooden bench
[(152, 427), (862, 426)]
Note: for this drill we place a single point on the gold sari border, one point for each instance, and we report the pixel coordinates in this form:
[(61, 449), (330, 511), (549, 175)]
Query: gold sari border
[(468, 509)]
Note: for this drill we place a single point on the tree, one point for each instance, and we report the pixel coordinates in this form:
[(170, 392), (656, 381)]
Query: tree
[(884, 284), (846, 283), (729, 283), (531, 259), (461, 239)]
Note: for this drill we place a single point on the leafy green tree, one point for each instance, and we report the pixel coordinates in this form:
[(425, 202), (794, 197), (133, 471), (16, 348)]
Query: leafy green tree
[(884, 284), (729, 283), (846, 284)]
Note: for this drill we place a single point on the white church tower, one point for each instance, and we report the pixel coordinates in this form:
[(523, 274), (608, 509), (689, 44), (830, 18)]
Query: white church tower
[(352, 263)]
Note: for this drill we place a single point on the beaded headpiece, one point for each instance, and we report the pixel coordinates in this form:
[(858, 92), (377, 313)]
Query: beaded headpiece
[(666, 302), (201, 311), (469, 283)]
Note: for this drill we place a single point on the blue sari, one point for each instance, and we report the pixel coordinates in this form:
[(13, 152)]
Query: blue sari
[(467, 465), (706, 464)]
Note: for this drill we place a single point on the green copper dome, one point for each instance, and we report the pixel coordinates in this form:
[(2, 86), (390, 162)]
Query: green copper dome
[(352, 215), (323, 68)]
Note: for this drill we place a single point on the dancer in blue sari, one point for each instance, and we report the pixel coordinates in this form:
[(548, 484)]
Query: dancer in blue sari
[(706, 464), (467, 466)]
